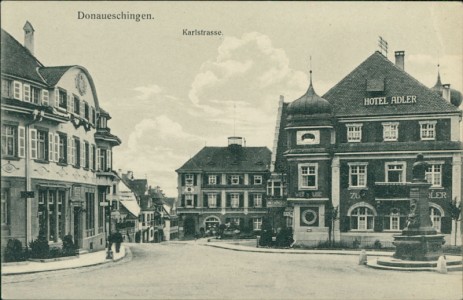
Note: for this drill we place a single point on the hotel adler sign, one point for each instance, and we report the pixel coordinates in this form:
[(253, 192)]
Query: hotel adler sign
[(394, 100)]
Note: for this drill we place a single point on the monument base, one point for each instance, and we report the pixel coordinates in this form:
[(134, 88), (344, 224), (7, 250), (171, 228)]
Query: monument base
[(418, 247), (454, 263)]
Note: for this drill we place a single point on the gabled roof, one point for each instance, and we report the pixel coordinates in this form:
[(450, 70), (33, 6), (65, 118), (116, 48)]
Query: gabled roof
[(138, 186), (211, 159), (17, 61), (347, 97), (53, 74)]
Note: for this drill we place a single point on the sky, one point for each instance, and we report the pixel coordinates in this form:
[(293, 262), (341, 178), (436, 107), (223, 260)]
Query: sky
[(170, 95)]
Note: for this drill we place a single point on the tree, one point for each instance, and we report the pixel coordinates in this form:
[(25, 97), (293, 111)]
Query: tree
[(455, 213)]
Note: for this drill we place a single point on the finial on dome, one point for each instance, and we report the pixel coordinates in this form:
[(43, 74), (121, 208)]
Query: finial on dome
[(310, 70)]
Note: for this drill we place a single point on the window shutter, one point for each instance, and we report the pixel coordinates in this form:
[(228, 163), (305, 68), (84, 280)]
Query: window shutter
[(378, 224), (183, 179), (219, 200), (205, 198), (446, 175), (82, 154), (69, 107), (344, 170), (56, 147), (82, 108), (90, 160), (68, 152), (345, 224), (251, 200), (195, 179), (33, 143), (195, 200), (446, 225), (228, 204), (241, 179), (45, 97), (17, 90), (22, 141), (51, 157), (182, 202), (73, 151), (241, 200), (97, 159), (264, 201), (27, 93), (108, 160), (56, 97), (371, 179)]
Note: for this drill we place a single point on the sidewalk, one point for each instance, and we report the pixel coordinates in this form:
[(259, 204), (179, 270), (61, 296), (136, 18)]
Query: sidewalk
[(233, 246), (83, 260)]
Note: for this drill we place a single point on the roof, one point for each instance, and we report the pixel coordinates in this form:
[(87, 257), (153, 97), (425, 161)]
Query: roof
[(138, 186), (53, 74), (347, 97), (16, 60), (282, 146), (210, 159), (309, 103)]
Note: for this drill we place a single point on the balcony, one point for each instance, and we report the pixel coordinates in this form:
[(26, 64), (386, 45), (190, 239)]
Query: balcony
[(392, 190)]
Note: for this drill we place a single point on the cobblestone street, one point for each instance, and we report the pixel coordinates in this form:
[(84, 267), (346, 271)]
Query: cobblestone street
[(189, 270)]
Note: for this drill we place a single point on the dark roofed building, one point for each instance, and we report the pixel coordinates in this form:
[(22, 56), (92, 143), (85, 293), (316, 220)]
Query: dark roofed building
[(356, 154), (223, 185)]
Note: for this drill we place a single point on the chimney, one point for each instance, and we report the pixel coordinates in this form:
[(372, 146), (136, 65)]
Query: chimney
[(446, 92), (400, 59), (29, 37)]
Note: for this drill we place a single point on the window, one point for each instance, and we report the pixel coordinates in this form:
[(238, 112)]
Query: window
[(434, 175), (76, 102), (9, 140), (51, 213), (362, 218), (358, 175), (86, 162), (189, 179), (235, 179), (395, 172), (257, 223), (35, 94), (212, 179), (276, 188), (211, 223), (102, 121), (189, 200), (212, 200), (62, 149), (42, 145), (94, 158), (86, 111), (428, 130), (235, 200), (308, 176), (390, 131), (90, 214), (7, 88), (235, 221), (394, 220), (435, 215), (257, 200), (76, 148), (5, 195), (354, 132), (257, 179), (63, 99)]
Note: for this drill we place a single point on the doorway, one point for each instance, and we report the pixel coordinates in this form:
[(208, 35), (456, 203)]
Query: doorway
[(77, 231), (189, 226)]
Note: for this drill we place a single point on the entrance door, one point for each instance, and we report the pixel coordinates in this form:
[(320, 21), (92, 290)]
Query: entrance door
[(77, 230), (189, 226)]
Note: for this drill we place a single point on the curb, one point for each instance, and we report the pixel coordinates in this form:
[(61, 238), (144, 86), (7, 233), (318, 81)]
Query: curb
[(264, 250), (68, 268)]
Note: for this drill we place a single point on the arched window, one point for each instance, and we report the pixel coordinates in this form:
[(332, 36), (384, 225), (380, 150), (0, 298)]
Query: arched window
[(436, 213), (211, 222), (395, 220), (362, 217)]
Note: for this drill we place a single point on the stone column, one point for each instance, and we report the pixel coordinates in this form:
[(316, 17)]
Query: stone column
[(456, 194), (223, 202), (335, 194)]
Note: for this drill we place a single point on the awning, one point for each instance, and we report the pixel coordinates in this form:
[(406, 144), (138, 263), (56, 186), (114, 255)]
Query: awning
[(131, 206)]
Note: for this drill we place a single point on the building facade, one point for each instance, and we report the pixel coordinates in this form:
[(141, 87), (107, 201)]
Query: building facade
[(348, 155), (223, 185), (53, 177)]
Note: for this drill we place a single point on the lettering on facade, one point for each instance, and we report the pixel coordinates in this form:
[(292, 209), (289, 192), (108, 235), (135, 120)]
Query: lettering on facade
[(354, 195), (394, 100), (437, 195)]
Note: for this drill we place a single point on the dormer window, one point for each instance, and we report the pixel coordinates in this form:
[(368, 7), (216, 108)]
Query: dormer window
[(87, 111), (63, 99), (354, 133), (76, 105), (7, 88), (103, 122), (428, 130), (35, 95)]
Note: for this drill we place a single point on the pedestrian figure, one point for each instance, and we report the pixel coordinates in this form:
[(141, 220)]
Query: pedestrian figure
[(117, 239)]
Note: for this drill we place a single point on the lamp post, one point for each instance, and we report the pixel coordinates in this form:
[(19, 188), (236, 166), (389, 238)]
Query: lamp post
[(109, 253)]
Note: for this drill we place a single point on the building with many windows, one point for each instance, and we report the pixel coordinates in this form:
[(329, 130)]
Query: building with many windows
[(223, 185), (351, 152), (56, 150)]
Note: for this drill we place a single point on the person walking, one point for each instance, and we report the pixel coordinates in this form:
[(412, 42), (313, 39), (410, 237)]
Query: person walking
[(117, 239)]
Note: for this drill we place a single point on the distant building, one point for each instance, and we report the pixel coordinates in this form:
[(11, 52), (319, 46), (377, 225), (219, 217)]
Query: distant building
[(352, 150), (171, 230), (223, 185), (56, 159)]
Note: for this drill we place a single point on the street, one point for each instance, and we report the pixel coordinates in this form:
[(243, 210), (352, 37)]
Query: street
[(190, 270)]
